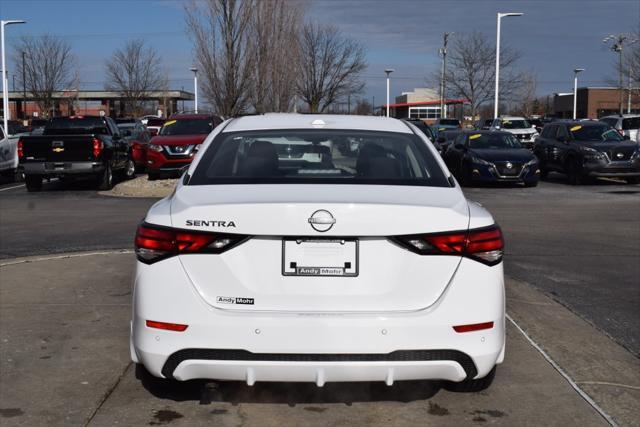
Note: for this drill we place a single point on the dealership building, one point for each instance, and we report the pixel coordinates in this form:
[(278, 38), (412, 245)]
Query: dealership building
[(595, 102), (423, 103)]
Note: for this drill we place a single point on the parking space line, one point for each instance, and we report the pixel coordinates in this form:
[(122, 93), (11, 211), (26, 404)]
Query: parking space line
[(65, 256), (566, 376), (11, 188)]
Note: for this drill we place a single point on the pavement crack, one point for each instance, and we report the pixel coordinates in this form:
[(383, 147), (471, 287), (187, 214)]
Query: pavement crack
[(632, 387), (108, 393)]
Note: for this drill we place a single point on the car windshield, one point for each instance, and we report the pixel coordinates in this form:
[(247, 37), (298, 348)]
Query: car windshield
[(155, 122), (319, 156), (493, 141), (187, 127), (515, 124), (631, 123), (595, 133)]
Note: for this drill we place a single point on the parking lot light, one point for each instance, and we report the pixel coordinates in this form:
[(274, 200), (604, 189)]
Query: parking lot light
[(195, 87), (5, 82), (575, 89), (500, 16), (388, 72)]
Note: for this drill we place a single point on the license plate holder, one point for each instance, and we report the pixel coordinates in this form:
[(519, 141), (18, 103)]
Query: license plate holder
[(308, 257)]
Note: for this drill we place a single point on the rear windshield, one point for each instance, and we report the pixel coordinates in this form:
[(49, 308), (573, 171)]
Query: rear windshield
[(493, 141), (595, 133), (187, 127), (515, 124), (631, 123), (449, 122), (318, 156), (155, 122), (71, 125)]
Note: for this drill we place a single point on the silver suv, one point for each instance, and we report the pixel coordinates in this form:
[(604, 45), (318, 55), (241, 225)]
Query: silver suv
[(627, 124)]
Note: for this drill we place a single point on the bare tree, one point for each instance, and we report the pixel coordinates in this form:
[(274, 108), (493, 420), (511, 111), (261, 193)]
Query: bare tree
[(275, 25), (330, 64), (363, 107), (223, 51), (48, 67), (525, 95), (135, 70), (471, 70)]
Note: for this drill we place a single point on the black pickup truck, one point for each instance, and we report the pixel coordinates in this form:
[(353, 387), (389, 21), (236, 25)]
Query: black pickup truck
[(76, 146)]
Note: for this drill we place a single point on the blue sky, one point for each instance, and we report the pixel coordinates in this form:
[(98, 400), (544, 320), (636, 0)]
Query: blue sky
[(554, 36)]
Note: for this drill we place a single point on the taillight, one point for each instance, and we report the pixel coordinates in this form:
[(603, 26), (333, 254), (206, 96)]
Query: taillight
[(154, 243), (20, 149), (97, 147), (176, 327), (481, 244)]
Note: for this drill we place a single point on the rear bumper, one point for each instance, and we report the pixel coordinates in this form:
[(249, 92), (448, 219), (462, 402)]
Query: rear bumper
[(62, 168), (317, 347)]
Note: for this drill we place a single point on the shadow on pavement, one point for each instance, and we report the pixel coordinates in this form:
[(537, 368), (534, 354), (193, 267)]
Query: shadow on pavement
[(236, 392)]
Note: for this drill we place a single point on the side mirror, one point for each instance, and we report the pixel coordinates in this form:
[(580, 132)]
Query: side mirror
[(562, 138), (626, 138)]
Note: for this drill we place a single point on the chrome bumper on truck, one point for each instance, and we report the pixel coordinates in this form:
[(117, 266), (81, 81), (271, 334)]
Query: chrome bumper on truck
[(61, 168)]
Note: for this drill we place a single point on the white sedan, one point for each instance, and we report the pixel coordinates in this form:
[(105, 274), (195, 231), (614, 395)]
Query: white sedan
[(279, 258)]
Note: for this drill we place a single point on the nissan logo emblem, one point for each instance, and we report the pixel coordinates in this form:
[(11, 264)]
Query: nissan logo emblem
[(322, 220), (509, 165)]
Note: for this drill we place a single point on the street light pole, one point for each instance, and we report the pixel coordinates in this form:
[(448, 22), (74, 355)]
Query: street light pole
[(500, 16), (443, 52), (24, 87), (195, 87), (5, 83), (388, 71), (617, 46), (575, 89)]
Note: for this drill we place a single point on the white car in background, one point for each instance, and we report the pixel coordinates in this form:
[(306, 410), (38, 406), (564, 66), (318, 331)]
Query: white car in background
[(319, 267), (9, 156), (626, 125), (518, 126)]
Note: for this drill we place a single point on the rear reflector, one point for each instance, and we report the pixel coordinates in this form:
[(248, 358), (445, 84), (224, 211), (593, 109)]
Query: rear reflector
[(154, 243), (97, 147), (20, 149), (473, 327), (167, 326), (481, 244)]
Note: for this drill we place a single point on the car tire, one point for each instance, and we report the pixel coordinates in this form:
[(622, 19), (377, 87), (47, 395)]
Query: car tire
[(466, 177), (130, 169), (574, 172), (633, 180), (544, 173), (105, 179), (33, 183), (471, 386), (531, 183)]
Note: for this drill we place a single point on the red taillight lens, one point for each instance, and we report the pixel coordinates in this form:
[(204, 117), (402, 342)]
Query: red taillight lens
[(154, 243), (482, 244), (97, 147), (20, 149), (473, 327), (176, 327)]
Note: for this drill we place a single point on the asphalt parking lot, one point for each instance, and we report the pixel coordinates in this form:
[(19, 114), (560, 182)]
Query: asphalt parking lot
[(573, 288)]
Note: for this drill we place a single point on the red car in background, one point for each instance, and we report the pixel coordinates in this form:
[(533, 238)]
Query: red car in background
[(138, 137), (177, 143)]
